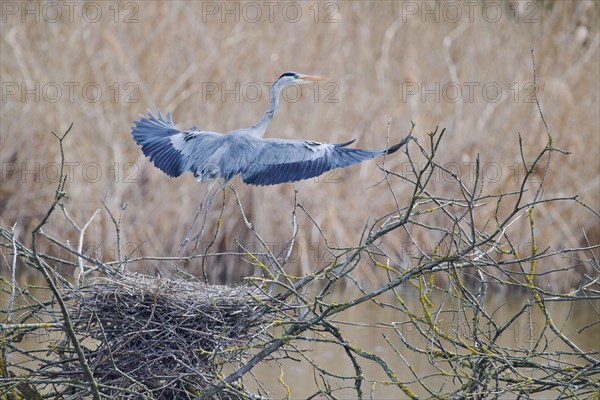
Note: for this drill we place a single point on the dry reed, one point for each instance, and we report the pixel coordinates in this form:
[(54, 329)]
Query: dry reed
[(166, 55)]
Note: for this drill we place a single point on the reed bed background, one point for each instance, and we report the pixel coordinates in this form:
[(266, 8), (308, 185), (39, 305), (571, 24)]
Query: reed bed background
[(385, 63)]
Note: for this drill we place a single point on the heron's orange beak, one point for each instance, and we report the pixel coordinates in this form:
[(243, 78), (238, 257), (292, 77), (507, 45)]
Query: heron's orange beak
[(312, 78)]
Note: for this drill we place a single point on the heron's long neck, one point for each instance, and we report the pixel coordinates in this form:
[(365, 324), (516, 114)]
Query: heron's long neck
[(261, 126)]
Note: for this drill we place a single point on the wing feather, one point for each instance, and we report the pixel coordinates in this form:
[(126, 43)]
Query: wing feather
[(154, 135), (174, 151), (279, 161)]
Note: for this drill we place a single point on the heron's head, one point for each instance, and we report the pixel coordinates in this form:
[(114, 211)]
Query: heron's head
[(294, 77)]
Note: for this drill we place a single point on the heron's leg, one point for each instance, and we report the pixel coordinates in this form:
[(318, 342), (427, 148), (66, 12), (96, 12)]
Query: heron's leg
[(210, 201), (193, 224)]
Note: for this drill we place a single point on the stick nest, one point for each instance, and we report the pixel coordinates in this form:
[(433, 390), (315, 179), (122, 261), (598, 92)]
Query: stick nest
[(163, 338)]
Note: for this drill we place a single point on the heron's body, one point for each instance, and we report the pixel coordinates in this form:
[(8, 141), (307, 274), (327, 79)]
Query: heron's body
[(212, 155)]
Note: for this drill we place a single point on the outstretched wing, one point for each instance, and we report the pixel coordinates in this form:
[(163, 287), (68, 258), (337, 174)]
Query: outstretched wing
[(174, 151), (277, 160), (211, 155)]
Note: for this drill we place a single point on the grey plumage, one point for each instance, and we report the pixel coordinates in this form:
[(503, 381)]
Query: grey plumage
[(212, 155)]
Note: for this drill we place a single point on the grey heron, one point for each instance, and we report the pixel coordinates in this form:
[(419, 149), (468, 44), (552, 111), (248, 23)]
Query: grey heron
[(215, 156)]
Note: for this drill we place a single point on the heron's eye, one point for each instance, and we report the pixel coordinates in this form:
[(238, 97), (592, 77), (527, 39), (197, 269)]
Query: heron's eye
[(296, 76)]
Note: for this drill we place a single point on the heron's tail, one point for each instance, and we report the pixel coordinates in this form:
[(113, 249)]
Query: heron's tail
[(154, 135)]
